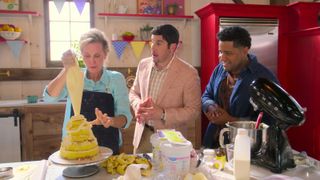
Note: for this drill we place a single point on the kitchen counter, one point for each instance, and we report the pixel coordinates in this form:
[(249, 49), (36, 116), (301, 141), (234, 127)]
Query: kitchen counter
[(53, 171), (23, 102)]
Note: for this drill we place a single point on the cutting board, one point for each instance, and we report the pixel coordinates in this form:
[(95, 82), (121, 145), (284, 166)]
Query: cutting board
[(75, 87)]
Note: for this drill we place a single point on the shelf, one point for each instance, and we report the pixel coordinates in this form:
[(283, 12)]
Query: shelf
[(27, 14), (16, 45), (184, 19), (19, 13), (146, 41), (3, 40), (150, 16), (131, 41)]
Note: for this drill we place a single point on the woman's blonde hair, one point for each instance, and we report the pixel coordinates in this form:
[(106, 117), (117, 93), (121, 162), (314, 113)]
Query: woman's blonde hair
[(94, 36)]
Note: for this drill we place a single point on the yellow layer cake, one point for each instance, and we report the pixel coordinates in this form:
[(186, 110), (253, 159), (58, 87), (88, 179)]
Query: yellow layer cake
[(79, 143)]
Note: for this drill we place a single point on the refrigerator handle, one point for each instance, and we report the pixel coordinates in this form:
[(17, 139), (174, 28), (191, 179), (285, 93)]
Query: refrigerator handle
[(15, 114)]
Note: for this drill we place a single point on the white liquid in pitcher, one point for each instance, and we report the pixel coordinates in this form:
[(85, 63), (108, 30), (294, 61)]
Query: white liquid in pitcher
[(241, 169)]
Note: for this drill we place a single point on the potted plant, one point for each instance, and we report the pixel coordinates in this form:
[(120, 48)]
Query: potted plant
[(145, 32), (76, 47), (172, 8)]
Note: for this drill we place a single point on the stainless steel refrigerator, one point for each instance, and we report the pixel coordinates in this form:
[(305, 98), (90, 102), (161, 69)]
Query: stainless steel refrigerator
[(264, 34)]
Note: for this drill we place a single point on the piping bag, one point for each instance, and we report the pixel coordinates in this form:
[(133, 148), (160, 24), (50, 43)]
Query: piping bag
[(75, 85)]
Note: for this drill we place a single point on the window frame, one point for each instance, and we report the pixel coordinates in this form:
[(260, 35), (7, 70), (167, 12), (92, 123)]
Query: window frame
[(50, 63)]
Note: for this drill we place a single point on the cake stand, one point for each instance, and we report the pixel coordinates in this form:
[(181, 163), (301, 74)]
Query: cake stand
[(81, 168)]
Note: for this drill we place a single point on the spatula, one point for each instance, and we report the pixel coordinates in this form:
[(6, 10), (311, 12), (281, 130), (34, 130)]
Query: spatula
[(75, 87), (258, 120)]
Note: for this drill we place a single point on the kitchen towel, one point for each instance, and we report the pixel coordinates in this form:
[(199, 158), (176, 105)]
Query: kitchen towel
[(40, 171)]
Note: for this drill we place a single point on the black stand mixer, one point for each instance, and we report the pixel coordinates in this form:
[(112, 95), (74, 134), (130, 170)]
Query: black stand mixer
[(276, 153)]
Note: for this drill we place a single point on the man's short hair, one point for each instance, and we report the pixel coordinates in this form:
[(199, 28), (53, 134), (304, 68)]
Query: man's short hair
[(239, 36), (168, 32)]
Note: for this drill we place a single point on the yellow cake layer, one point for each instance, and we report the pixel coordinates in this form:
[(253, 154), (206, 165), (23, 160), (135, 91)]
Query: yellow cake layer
[(79, 146), (81, 138), (80, 132), (74, 155)]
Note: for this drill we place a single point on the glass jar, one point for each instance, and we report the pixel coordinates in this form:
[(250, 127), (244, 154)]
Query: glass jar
[(208, 156)]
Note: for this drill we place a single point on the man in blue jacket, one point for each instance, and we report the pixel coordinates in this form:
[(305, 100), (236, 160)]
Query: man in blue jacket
[(226, 97)]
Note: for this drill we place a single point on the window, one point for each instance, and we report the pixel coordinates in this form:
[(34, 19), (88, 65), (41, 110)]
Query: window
[(64, 29)]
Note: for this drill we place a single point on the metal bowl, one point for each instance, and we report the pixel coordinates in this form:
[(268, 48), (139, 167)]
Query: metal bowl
[(257, 136), (6, 172)]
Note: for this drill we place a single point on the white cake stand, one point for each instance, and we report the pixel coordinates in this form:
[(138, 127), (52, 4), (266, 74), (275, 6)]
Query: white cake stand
[(81, 168)]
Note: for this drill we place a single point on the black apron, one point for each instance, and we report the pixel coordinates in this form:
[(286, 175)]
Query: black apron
[(108, 137)]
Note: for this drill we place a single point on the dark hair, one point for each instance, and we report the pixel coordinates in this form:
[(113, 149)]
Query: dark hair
[(239, 36), (168, 32)]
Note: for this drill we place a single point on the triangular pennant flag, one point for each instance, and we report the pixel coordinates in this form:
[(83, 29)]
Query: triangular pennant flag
[(2, 39), (119, 47), (80, 5), (137, 47), (59, 4), (15, 47)]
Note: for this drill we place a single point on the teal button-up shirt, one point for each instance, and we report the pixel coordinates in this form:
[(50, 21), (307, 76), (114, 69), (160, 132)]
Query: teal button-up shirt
[(110, 82)]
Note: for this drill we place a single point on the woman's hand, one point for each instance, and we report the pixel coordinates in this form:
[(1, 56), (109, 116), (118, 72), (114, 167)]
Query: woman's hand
[(102, 119), (69, 58), (55, 87)]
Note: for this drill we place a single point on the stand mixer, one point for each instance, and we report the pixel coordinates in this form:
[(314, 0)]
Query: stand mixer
[(275, 154)]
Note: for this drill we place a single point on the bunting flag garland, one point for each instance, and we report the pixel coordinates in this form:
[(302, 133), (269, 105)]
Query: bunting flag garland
[(15, 47), (59, 4), (80, 5), (137, 47), (2, 39), (119, 47)]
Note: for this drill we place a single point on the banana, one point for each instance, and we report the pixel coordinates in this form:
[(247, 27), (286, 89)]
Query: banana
[(121, 169), (118, 164)]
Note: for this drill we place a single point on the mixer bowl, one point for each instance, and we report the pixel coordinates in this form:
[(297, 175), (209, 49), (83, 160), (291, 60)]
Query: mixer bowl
[(258, 137)]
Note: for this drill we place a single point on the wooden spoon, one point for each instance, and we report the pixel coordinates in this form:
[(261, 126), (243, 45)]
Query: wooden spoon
[(75, 87)]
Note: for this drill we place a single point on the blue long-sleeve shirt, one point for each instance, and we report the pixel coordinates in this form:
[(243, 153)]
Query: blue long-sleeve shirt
[(239, 105), (110, 82)]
